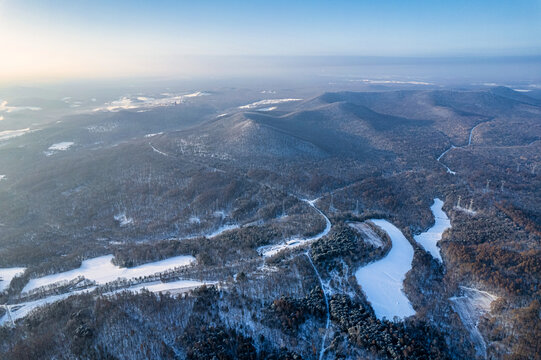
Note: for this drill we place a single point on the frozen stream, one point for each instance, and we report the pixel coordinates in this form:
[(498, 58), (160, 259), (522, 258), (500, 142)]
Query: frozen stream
[(429, 239)]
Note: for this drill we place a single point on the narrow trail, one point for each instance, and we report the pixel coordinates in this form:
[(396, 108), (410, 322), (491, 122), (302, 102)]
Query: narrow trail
[(322, 352)]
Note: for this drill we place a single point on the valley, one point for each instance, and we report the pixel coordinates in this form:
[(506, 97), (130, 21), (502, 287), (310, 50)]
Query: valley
[(158, 219)]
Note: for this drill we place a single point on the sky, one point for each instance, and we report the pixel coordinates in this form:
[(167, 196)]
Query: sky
[(50, 39)]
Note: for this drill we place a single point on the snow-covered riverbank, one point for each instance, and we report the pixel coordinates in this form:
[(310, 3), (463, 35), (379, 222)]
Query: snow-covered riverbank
[(429, 239), (382, 280)]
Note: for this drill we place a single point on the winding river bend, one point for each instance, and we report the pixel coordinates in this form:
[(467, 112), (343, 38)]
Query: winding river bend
[(429, 239)]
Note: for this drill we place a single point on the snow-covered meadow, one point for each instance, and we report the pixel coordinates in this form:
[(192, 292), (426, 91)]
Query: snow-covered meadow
[(101, 270)]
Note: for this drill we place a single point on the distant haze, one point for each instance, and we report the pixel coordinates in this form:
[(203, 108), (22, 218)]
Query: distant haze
[(59, 39)]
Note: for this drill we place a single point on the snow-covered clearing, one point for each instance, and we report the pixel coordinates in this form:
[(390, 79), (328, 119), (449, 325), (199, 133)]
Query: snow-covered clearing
[(429, 239), (61, 146), (133, 102), (378, 82), (2, 177), (270, 250), (382, 280), (153, 134), (370, 235), (18, 311), (267, 102), (467, 211), (271, 108), (123, 220), (101, 270), (4, 107), (222, 229), (470, 307), (173, 287), (8, 134), (7, 274)]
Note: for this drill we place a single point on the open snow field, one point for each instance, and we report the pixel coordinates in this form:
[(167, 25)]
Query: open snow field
[(429, 239), (6, 274), (173, 287), (102, 270), (382, 280)]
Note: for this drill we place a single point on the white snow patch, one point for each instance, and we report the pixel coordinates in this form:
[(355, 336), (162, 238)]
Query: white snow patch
[(429, 239), (371, 81), (7, 274), (102, 270), (270, 250), (10, 109), (8, 134), (369, 234), (18, 311), (2, 177), (133, 102), (104, 128), (61, 146), (154, 134), (267, 102), (267, 109), (222, 229), (467, 211), (173, 287), (194, 220), (221, 115), (470, 307), (123, 220), (382, 280)]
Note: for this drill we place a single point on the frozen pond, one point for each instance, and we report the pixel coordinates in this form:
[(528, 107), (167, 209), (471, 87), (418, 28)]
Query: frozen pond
[(6, 274), (429, 239), (381, 281), (102, 270)]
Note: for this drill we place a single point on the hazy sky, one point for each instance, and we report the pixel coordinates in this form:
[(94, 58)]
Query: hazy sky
[(83, 38)]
